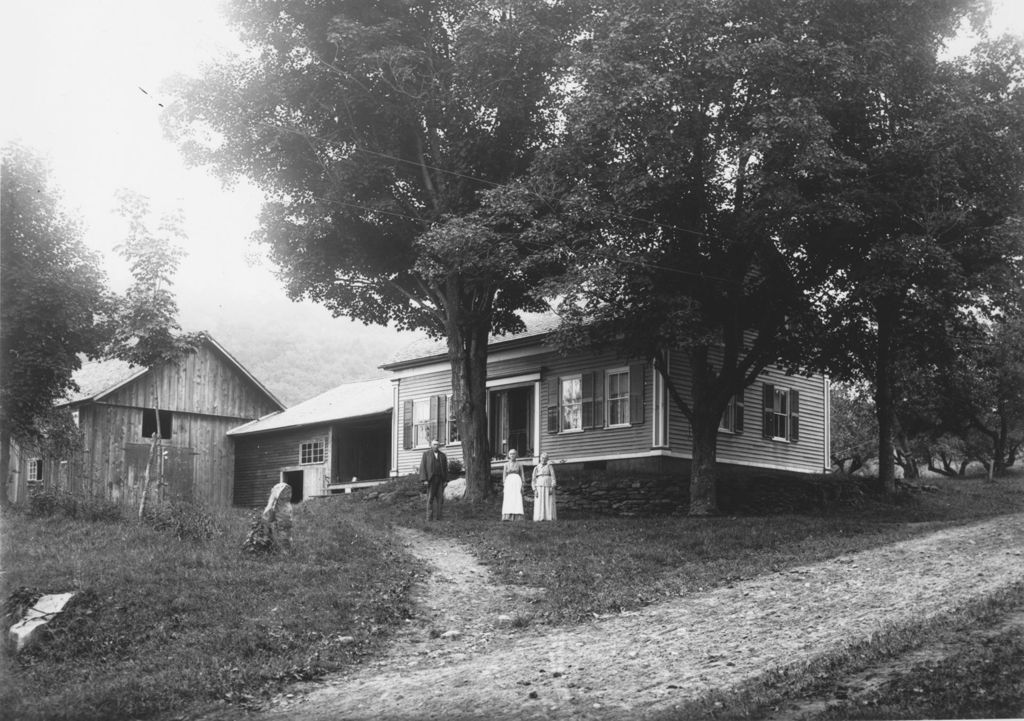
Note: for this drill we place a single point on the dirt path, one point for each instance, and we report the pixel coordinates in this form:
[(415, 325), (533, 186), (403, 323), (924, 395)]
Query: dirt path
[(641, 664)]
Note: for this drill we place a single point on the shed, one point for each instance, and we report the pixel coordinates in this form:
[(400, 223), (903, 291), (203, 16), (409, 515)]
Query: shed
[(336, 442)]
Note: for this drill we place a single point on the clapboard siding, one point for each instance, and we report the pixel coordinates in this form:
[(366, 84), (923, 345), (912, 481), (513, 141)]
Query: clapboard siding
[(636, 440), (260, 458)]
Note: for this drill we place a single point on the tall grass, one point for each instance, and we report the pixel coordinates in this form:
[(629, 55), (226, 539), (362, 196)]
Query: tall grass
[(165, 619)]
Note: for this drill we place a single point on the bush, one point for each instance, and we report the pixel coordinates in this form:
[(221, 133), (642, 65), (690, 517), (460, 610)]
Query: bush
[(50, 503), (455, 468), (260, 539), (186, 521)]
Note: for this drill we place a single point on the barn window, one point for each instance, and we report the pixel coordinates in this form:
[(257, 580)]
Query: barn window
[(312, 452), (149, 417), (35, 470)]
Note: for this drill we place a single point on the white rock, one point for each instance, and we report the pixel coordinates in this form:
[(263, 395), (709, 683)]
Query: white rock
[(455, 489), (44, 609)]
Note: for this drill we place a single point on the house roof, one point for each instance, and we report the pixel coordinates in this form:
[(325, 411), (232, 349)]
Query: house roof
[(99, 378), (349, 400), (426, 350)]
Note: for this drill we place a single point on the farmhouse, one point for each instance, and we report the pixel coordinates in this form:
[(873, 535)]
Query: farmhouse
[(190, 405), (336, 442), (597, 411)]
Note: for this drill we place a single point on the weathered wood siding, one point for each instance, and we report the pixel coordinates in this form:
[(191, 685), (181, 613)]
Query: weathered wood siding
[(203, 383), (260, 458)]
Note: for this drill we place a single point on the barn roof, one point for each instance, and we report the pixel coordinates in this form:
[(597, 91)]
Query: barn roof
[(426, 350), (349, 400), (99, 378)]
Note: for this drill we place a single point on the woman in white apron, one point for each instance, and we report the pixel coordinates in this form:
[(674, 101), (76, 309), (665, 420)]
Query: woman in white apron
[(512, 499)]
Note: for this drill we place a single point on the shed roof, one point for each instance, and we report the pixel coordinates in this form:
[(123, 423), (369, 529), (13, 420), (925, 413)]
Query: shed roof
[(349, 400), (430, 349)]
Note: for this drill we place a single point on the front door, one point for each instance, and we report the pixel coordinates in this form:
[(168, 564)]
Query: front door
[(511, 421)]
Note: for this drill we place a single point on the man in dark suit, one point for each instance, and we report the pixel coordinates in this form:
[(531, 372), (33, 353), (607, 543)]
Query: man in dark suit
[(434, 472)]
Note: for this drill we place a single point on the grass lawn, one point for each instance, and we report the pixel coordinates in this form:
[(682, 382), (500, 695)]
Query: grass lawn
[(594, 566), (163, 624), (166, 625)]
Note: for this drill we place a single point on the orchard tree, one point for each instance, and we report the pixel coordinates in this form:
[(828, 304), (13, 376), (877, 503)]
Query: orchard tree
[(933, 196), (375, 129), (142, 328), (51, 294)]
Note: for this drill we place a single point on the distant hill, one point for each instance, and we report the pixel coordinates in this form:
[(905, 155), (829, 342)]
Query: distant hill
[(297, 350)]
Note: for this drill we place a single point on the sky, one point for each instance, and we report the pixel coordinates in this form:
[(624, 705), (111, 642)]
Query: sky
[(80, 81)]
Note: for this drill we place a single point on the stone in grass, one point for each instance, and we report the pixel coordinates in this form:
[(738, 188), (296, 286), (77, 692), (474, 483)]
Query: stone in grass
[(455, 489), (451, 635), (39, 615)]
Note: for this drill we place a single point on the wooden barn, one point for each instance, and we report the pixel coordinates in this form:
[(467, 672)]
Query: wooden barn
[(336, 442), (118, 408)]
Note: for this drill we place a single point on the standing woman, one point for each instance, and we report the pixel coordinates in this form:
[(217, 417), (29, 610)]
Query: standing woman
[(543, 484), (512, 478)]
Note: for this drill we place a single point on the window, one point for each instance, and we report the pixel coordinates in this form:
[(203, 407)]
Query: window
[(421, 426), (453, 425), (732, 418), (617, 395), (75, 418), (571, 392), (35, 470), (312, 452), (781, 414), (149, 418)]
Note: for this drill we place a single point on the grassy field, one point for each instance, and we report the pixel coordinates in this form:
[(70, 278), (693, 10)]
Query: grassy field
[(162, 624), (172, 620)]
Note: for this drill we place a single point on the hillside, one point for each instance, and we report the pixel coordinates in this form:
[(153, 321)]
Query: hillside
[(297, 350)]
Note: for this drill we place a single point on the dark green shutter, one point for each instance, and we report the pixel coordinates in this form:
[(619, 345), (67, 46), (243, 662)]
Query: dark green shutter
[(441, 419), (587, 389), (738, 420), (794, 416), (599, 415), (407, 425), (636, 394), (768, 405), (553, 394)]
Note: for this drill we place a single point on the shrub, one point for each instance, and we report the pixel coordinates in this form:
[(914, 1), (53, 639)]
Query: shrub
[(260, 540), (455, 468), (50, 503), (186, 521)]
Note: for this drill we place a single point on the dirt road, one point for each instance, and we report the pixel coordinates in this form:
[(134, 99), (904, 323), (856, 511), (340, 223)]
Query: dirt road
[(454, 662)]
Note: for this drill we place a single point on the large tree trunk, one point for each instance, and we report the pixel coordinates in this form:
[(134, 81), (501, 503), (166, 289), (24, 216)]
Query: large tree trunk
[(467, 351), (704, 473), (5, 466), (885, 409)]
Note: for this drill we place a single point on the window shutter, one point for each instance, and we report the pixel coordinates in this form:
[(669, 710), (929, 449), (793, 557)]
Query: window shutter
[(768, 406), (737, 425), (599, 415), (433, 430), (441, 424), (636, 393), (553, 397), (587, 386), (794, 416), (407, 425)]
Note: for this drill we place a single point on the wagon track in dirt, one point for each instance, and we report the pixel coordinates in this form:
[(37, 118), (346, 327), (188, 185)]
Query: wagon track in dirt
[(642, 664)]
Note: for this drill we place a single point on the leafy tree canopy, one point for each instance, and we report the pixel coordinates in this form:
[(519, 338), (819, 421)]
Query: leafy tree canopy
[(51, 295)]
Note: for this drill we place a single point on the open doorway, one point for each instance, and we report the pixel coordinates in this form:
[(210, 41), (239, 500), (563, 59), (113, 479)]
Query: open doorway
[(295, 480), (511, 421)]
